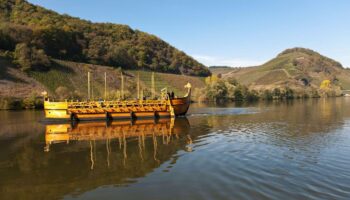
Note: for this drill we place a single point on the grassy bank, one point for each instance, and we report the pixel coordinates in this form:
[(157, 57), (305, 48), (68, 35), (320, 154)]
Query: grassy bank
[(68, 80), (73, 77)]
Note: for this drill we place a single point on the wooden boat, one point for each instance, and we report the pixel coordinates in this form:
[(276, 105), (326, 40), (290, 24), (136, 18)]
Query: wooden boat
[(118, 109)]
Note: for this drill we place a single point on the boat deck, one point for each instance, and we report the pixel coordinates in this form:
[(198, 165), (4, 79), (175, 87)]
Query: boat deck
[(109, 109), (166, 106)]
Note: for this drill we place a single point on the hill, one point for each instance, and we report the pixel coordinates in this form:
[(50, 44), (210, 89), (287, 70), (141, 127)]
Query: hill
[(35, 35), (298, 68), (15, 83), (67, 79)]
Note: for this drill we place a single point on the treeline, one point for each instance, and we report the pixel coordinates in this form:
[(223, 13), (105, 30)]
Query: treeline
[(33, 34), (10, 103), (223, 90)]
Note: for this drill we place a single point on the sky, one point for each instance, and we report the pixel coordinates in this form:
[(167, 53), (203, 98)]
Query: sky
[(227, 32)]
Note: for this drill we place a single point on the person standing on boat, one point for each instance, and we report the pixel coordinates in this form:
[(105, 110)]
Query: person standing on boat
[(168, 95)]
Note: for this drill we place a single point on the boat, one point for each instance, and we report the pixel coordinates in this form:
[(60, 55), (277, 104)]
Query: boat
[(166, 106)]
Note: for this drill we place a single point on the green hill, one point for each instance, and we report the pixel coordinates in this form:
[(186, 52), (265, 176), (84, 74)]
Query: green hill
[(298, 68), (35, 34), (66, 79)]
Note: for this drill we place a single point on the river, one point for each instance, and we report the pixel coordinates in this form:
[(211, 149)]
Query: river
[(280, 150)]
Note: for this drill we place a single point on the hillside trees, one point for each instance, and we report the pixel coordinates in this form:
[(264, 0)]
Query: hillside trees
[(12, 34), (59, 43), (219, 90), (30, 58), (68, 38), (229, 89), (120, 56)]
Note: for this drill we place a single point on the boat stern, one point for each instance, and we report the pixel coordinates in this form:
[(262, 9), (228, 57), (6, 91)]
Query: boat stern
[(56, 110)]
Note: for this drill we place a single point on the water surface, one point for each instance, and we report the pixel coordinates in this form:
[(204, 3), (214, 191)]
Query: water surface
[(279, 150)]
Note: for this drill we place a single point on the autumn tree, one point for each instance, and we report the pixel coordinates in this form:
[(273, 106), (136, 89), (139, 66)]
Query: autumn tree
[(325, 85)]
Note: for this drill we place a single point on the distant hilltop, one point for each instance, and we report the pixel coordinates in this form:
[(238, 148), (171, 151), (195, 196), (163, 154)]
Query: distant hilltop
[(32, 35), (298, 68)]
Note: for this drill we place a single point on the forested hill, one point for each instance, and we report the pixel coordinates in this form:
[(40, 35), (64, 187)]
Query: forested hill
[(32, 35)]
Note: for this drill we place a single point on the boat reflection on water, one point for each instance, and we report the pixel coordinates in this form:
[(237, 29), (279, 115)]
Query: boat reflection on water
[(119, 134)]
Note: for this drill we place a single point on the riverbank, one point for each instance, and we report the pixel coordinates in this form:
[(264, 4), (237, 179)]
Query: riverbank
[(37, 103), (11, 103), (223, 90)]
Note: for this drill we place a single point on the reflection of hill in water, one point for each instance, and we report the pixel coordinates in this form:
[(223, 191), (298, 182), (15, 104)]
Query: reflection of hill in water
[(304, 127), (301, 116), (88, 156)]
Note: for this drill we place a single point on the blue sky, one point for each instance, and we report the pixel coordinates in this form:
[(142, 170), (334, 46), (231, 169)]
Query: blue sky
[(228, 32)]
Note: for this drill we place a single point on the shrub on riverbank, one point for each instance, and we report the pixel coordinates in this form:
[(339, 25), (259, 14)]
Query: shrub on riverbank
[(10, 103)]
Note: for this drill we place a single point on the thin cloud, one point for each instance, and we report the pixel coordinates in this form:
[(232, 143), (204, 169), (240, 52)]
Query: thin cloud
[(217, 61)]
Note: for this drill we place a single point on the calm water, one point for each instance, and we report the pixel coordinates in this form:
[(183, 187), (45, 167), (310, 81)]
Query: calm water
[(286, 150)]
